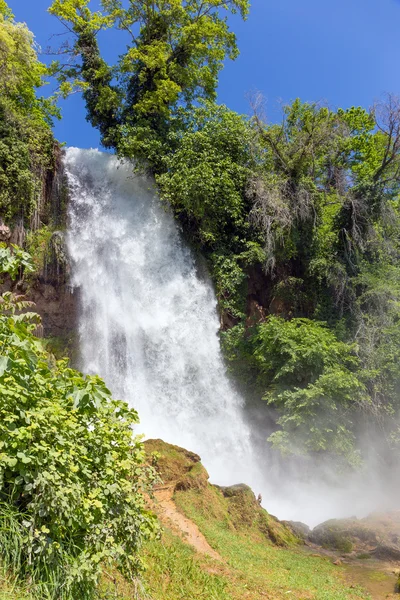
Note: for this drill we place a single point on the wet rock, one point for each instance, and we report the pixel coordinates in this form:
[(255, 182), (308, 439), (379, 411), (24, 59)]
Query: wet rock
[(387, 551), (18, 234), (343, 535), (56, 266), (377, 535)]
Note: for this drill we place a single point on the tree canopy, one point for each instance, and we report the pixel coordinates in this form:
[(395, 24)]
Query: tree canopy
[(26, 141), (175, 50), (299, 220)]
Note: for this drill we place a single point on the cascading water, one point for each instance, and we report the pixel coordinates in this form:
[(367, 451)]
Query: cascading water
[(148, 323), (149, 327)]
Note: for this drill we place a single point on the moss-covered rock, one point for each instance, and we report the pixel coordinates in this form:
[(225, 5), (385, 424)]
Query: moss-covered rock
[(245, 512), (234, 507), (301, 530), (177, 466), (345, 535)]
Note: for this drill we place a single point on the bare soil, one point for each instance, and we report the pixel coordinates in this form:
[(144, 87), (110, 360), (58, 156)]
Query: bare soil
[(186, 529)]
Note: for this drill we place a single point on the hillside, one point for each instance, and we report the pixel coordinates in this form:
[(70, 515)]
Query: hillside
[(219, 544)]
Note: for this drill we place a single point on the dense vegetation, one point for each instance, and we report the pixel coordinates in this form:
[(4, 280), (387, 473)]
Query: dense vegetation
[(72, 474), (300, 225), (299, 220), (26, 140)]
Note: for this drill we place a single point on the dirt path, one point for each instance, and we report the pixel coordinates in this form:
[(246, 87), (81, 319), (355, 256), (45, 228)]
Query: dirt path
[(188, 531)]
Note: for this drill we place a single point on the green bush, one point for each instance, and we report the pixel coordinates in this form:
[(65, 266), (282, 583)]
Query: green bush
[(14, 260), (310, 376), (71, 471)]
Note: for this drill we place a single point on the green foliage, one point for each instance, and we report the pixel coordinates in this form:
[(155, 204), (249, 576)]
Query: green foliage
[(37, 243), (71, 471), (206, 177), (311, 377), (14, 261), (26, 142), (205, 181), (176, 51), (297, 220)]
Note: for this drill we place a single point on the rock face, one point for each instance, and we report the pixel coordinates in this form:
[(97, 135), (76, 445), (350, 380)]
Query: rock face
[(54, 299), (178, 468), (5, 232), (300, 529), (49, 287), (377, 535)]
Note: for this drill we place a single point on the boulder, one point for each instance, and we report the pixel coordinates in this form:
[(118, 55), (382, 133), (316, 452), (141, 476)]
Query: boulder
[(377, 535), (301, 530)]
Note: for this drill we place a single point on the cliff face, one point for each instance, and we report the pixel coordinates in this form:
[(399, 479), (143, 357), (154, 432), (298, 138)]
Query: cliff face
[(44, 237)]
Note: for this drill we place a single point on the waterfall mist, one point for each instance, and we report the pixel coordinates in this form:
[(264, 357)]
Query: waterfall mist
[(149, 327)]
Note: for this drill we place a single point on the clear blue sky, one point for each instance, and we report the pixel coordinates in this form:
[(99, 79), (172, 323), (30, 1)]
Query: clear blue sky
[(344, 53)]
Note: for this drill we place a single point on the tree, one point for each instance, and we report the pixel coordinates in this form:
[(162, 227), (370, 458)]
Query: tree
[(26, 141), (175, 51), (311, 377)]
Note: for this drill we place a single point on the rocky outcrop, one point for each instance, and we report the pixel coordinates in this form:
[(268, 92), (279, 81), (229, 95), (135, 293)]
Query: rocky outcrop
[(182, 473), (48, 287), (376, 536), (5, 232), (178, 468), (301, 530)]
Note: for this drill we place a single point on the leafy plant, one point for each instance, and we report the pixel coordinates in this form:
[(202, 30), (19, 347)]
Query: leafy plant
[(14, 260), (72, 474), (26, 141), (311, 377)]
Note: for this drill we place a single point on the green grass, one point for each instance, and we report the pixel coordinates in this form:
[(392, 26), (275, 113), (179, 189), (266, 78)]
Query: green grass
[(43, 580), (260, 569), (174, 572), (10, 589), (260, 558)]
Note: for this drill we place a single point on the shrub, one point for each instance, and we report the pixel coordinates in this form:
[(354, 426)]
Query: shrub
[(14, 260), (312, 378), (71, 471)]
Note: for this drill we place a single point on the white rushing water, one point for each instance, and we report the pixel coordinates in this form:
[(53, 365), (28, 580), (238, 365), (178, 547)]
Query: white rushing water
[(148, 323), (149, 327)]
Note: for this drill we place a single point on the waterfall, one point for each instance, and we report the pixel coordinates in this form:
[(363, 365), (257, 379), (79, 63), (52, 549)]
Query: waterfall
[(149, 327), (148, 322)]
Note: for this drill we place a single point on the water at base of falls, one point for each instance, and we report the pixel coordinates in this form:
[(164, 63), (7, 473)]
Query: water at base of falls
[(149, 327)]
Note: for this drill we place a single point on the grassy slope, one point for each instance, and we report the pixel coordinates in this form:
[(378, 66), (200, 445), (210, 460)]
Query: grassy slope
[(262, 569), (261, 558), (9, 590)]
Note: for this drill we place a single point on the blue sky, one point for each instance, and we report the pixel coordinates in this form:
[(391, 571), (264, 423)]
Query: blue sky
[(343, 53)]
